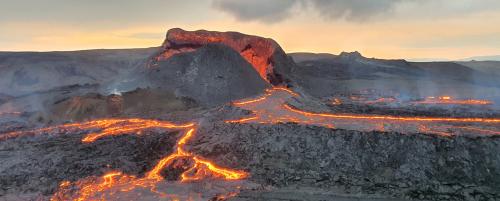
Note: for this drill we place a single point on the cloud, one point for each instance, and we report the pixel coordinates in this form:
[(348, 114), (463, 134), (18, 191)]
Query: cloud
[(277, 10), (256, 10), (106, 13), (267, 11), (353, 10)]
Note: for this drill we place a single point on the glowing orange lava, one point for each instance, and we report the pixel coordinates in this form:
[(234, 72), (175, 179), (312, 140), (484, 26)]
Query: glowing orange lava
[(336, 101), (108, 127), (269, 108), (425, 129), (255, 50), (10, 113), (397, 118), (448, 100), (381, 100), (272, 108), (106, 186)]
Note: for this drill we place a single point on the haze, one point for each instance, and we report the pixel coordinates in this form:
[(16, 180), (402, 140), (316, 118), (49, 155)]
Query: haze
[(412, 29)]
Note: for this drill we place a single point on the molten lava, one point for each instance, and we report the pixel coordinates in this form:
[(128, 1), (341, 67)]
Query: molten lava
[(381, 100), (336, 101), (105, 187), (10, 113), (108, 126), (272, 108), (448, 100)]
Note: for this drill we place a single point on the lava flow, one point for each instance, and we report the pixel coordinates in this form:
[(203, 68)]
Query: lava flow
[(272, 108), (381, 100), (9, 113), (107, 186), (448, 100), (336, 101), (108, 127)]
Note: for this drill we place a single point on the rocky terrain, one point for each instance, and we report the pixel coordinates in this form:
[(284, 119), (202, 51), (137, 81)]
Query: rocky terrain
[(291, 145), (211, 75), (46, 160), (412, 166), (27, 72), (352, 72)]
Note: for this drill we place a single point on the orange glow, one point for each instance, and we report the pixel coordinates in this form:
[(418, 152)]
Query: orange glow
[(108, 127), (381, 100), (272, 108), (134, 125), (10, 113), (486, 131), (283, 89), (336, 101), (397, 118), (450, 101), (242, 120), (425, 129), (268, 93), (255, 50), (201, 167), (448, 129), (251, 101), (118, 182)]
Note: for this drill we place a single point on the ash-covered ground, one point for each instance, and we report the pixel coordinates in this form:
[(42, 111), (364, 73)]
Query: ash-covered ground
[(261, 124)]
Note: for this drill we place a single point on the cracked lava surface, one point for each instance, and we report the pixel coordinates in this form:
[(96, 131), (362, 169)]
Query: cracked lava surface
[(270, 108)]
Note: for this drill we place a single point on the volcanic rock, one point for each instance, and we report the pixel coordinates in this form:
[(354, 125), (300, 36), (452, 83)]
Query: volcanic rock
[(211, 75), (411, 166), (323, 75), (4, 98), (264, 54), (23, 73), (39, 163), (351, 55)]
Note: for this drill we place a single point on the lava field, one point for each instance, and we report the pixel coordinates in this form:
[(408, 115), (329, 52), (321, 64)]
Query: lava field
[(227, 116)]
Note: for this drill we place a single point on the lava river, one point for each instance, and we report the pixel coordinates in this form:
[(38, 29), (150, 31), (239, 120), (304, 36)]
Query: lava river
[(116, 185), (272, 108)]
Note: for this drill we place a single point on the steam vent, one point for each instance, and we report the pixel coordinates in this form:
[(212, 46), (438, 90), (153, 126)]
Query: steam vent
[(216, 116)]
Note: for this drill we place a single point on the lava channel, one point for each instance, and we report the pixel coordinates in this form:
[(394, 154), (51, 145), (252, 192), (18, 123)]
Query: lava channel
[(272, 108), (448, 100), (110, 185), (108, 127)]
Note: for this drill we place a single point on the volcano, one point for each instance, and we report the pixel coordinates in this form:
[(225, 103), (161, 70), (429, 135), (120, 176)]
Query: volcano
[(264, 54), (212, 74), (228, 116)]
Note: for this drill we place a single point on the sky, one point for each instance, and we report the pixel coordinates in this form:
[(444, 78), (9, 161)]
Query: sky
[(411, 29)]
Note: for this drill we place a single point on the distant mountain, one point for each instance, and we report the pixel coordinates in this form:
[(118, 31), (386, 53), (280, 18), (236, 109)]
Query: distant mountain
[(323, 75), (483, 58), (27, 72), (490, 67), (304, 56), (427, 59)]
